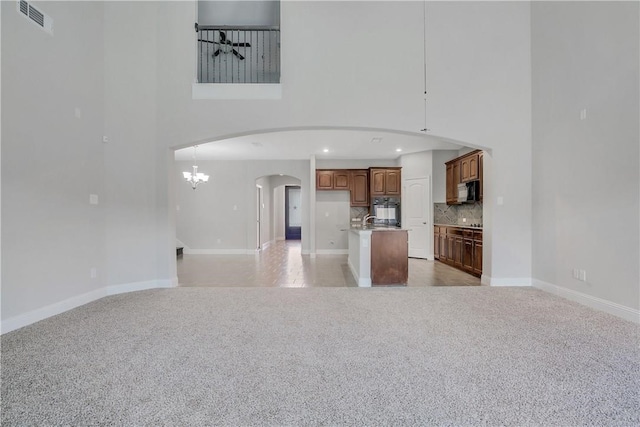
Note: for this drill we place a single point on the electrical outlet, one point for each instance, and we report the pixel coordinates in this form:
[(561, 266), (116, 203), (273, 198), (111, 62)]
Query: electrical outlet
[(575, 273), (583, 275), (93, 272)]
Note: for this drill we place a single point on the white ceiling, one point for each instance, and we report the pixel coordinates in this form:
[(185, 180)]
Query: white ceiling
[(301, 144)]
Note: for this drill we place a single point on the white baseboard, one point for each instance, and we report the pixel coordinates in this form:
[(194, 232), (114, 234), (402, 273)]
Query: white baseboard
[(613, 308), (140, 286), (50, 310), (332, 251), (279, 238), (505, 281), (362, 281), (219, 251), (267, 244)]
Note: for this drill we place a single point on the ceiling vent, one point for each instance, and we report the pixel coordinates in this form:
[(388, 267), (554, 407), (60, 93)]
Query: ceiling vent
[(35, 15)]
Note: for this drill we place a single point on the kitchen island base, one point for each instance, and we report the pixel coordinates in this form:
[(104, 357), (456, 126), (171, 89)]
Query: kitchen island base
[(379, 256)]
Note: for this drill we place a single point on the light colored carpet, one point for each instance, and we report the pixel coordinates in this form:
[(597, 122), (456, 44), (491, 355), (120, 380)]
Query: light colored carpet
[(324, 356)]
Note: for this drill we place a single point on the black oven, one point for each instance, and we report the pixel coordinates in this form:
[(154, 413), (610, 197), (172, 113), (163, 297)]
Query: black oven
[(386, 211)]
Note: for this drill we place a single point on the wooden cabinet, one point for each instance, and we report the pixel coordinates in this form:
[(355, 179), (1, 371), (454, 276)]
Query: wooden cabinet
[(392, 181), (477, 252), (333, 179), (385, 181), (453, 179), (467, 250), (324, 180), (377, 182), (360, 188), (459, 247), (341, 180), (361, 183), (469, 168), (463, 169), (480, 174), (389, 257)]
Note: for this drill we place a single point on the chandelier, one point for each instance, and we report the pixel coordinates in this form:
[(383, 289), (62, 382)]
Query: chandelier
[(195, 177)]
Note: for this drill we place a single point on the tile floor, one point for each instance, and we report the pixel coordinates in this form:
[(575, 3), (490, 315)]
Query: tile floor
[(282, 265)]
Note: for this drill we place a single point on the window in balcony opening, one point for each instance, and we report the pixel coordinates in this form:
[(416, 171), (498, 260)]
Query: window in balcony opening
[(238, 41)]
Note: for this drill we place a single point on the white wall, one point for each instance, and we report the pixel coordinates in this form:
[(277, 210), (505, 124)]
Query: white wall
[(241, 12), (440, 157), (355, 164), (479, 92), (220, 216), (586, 186), (416, 165), (332, 216), (51, 159)]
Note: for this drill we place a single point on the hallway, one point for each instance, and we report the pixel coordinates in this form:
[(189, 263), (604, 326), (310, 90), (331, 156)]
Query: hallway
[(282, 265)]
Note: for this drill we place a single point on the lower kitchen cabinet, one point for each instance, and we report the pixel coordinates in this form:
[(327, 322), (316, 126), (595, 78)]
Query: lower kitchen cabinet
[(459, 247)]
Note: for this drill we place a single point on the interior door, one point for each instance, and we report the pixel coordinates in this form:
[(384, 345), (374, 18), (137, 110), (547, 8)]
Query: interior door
[(293, 214), (416, 203)]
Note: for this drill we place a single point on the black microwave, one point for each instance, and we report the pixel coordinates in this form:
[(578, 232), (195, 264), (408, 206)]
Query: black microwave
[(469, 192)]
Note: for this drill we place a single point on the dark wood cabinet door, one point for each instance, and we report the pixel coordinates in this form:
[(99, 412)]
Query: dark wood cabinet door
[(324, 180), (341, 179), (465, 169), (443, 246), (377, 182), (467, 254), (456, 179), (477, 257), (457, 251), (360, 188), (449, 180), (474, 172), (453, 179), (392, 182), (389, 257), (480, 173), (436, 242)]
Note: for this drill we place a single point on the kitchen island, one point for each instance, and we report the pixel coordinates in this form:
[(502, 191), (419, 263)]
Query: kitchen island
[(378, 255)]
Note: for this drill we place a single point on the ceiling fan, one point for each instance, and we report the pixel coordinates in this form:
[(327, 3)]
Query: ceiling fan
[(226, 46)]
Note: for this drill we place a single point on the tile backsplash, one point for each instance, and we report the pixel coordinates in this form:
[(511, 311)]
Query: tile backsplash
[(453, 214)]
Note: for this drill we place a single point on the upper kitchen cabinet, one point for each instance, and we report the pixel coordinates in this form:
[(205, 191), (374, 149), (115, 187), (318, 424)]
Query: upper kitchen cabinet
[(385, 181), (453, 179), (469, 168), (332, 179), (324, 180), (463, 169), (360, 188)]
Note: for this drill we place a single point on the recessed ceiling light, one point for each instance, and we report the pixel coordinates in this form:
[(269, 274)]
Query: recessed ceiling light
[(398, 149), (326, 150), (256, 144), (376, 140)]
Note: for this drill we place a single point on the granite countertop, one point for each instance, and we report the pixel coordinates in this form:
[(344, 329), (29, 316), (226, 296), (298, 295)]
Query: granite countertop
[(459, 226)]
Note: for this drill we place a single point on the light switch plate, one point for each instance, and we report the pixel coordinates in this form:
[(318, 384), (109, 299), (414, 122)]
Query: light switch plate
[(93, 199)]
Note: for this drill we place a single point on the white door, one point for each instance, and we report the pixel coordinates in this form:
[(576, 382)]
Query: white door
[(416, 204)]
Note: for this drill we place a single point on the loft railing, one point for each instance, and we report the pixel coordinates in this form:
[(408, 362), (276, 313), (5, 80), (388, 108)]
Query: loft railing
[(237, 54)]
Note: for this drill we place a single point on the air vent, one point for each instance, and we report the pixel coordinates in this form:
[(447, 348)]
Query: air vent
[(36, 16)]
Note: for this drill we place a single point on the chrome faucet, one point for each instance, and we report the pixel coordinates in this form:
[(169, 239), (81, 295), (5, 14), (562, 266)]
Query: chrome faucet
[(366, 218)]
